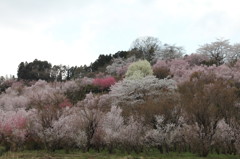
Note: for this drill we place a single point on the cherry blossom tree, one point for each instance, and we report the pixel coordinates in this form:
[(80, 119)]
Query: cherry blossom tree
[(132, 135), (133, 92), (161, 69), (166, 134), (224, 138), (234, 54), (112, 126), (66, 131), (13, 130), (91, 112), (179, 69), (13, 98), (217, 51), (119, 66), (196, 59)]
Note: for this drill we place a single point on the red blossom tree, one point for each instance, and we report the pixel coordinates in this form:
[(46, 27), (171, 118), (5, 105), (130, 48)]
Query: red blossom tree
[(104, 83)]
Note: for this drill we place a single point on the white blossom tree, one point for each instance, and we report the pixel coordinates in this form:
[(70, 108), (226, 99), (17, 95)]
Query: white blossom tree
[(217, 51), (131, 92), (91, 112), (112, 126), (166, 134)]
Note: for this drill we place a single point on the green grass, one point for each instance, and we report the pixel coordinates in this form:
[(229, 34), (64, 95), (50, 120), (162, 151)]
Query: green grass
[(105, 155)]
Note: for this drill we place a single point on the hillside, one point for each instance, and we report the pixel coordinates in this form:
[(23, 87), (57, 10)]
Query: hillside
[(132, 101)]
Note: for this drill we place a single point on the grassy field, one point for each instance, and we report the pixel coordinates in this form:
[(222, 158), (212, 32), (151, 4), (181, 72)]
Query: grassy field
[(105, 155)]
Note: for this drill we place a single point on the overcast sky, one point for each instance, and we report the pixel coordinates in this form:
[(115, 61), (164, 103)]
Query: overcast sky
[(75, 32)]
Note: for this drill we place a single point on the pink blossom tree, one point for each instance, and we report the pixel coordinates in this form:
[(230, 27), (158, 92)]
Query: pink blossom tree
[(119, 66), (196, 59), (223, 138), (13, 128), (66, 131)]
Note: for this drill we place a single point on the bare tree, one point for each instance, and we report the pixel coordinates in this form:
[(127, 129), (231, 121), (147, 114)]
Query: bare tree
[(169, 52), (146, 47)]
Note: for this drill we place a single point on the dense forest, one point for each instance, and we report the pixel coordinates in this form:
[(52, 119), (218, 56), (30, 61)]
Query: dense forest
[(152, 96)]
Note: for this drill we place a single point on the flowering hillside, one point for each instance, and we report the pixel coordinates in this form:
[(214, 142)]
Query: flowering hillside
[(181, 104)]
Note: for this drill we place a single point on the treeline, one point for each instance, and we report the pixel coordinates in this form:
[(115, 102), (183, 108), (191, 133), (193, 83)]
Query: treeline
[(45, 71)]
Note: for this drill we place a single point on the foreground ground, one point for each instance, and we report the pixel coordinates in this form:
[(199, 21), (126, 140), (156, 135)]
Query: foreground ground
[(105, 155)]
